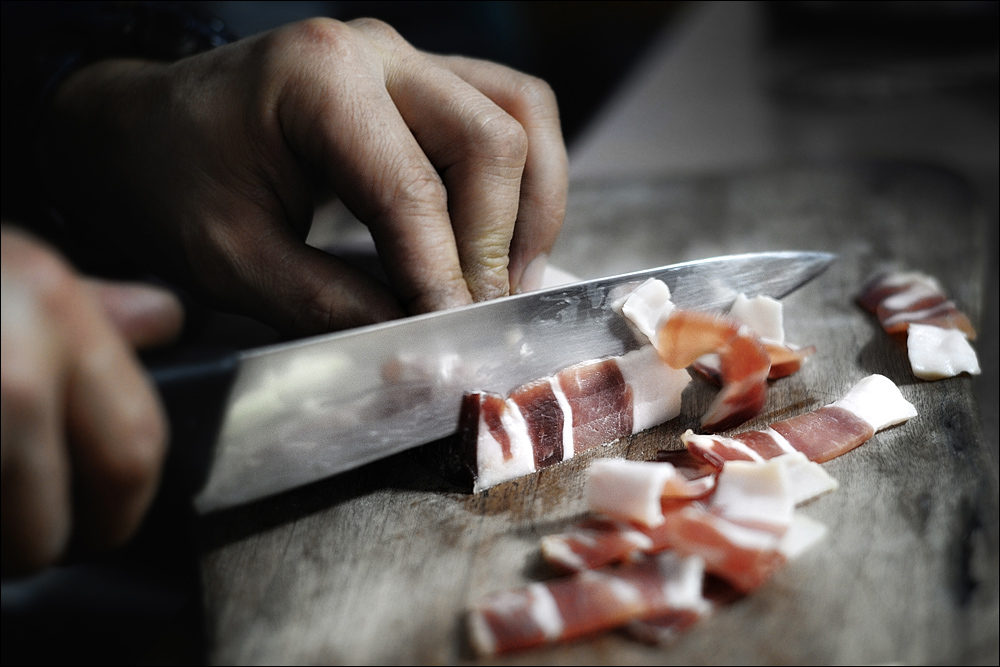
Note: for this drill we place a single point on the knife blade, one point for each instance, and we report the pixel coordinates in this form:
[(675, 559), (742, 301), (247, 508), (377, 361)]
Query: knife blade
[(302, 411)]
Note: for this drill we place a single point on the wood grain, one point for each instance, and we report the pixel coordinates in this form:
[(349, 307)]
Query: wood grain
[(379, 565)]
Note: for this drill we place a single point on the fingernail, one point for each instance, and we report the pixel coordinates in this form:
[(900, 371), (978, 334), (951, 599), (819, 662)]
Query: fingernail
[(531, 279)]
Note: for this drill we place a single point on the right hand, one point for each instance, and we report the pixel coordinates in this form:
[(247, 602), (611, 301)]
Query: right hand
[(83, 435)]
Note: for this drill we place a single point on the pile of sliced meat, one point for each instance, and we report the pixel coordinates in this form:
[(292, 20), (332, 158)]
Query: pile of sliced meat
[(597, 402), (725, 506), (665, 537), (937, 333)]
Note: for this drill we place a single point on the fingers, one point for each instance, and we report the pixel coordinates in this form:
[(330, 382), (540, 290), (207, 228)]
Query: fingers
[(35, 492), (145, 316), (545, 179), (117, 431), (83, 434), (339, 115), (443, 175), (477, 147), (300, 289)]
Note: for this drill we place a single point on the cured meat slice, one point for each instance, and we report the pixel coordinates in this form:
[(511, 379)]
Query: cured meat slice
[(598, 542), (938, 333), (739, 352), (902, 298), (873, 404), (587, 602), (739, 531), (742, 532), (545, 417), (495, 438), (743, 363), (600, 402), (937, 353), (634, 490), (552, 419), (594, 543)]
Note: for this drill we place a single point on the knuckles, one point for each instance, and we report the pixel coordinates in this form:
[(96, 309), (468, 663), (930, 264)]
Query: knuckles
[(500, 137), (538, 97)]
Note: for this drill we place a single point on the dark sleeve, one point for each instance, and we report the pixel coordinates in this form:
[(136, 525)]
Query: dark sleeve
[(45, 42)]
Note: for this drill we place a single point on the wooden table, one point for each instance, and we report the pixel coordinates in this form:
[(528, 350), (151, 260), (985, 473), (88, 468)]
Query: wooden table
[(380, 564)]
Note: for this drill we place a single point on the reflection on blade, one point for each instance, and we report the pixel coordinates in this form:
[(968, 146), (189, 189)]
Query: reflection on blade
[(306, 410)]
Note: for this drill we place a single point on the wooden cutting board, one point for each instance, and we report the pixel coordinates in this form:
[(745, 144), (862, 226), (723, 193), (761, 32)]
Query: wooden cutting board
[(380, 564)]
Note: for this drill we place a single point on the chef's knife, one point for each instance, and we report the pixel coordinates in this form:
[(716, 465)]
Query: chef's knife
[(305, 410)]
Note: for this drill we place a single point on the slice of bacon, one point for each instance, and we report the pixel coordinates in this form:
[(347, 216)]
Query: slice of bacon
[(494, 440), (744, 532), (743, 362), (872, 404), (937, 353), (634, 490), (594, 543), (899, 299), (588, 602), (552, 419)]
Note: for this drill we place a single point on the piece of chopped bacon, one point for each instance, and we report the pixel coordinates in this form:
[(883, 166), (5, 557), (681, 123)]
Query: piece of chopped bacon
[(744, 531), (634, 490), (743, 362), (552, 419), (588, 602), (902, 298), (872, 404)]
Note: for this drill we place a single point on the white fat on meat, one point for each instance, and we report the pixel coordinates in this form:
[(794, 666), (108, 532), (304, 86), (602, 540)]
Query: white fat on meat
[(648, 307), (803, 534), (492, 467), (567, 434), (878, 401), (656, 387), (755, 494), (806, 479), (630, 490), (684, 579), (763, 315), (633, 490), (936, 353)]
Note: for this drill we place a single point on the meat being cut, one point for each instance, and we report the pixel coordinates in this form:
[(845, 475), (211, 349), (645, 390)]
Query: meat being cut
[(549, 420), (707, 524), (740, 351)]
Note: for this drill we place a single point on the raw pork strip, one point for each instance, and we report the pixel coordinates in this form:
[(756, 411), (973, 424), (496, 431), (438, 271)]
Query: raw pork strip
[(588, 602), (551, 419), (744, 532), (903, 298), (871, 405), (634, 490), (938, 333), (743, 363)]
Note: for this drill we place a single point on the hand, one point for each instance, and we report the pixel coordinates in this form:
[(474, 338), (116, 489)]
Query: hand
[(210, 167), (83, 434)]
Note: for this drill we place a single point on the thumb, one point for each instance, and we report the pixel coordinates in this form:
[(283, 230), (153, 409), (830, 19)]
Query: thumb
[(304, 290), (144, 315)]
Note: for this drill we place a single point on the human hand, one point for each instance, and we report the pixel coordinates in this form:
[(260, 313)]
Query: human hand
[(209, 168), (83, 434)]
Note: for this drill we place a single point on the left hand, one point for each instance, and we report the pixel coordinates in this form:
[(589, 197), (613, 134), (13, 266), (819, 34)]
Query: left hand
[(209, 169)]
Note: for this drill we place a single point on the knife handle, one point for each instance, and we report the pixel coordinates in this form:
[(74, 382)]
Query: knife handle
[(193, 387)]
